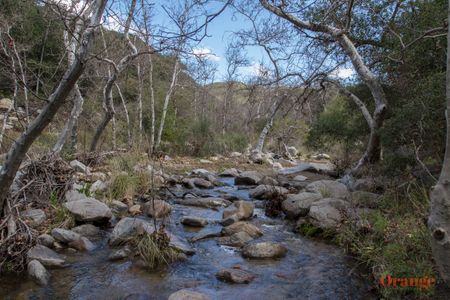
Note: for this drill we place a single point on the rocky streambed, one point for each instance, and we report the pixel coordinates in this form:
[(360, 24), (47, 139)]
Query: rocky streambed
[(233, 251)]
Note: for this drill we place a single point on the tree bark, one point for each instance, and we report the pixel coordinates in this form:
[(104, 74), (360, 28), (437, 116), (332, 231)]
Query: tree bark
[(20, 147), (262, 136), (127, 115), (439, 219)]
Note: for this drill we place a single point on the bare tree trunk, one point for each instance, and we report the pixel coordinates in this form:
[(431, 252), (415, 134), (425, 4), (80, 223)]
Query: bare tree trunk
[(114, 133), (166, 102), (127, 115), (262, 136), (139, 102), (20, 147), (152, 105), (439, 220)]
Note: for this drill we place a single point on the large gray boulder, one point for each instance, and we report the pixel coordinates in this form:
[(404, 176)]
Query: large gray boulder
[(298, 205), (89, 210), (46, 256), (264, 250), (248, 178), (38, 272), (328, 213), (64, 235), (329, 189), (267, 191), (126, 228)]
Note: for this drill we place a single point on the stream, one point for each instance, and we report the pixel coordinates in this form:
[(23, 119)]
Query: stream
[(311, 269)]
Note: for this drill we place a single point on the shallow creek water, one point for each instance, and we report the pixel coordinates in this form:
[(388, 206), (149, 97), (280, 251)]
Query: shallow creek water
[(311, 269)]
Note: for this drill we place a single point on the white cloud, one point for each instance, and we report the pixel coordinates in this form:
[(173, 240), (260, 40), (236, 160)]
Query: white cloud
[(205, 53), (343, 73), (112, 23), (255, 69)]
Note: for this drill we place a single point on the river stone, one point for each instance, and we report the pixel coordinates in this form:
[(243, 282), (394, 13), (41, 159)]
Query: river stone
[(188, 295), (206, 233), (267, 180), (64, 235), (365, 199), (74, 195), (264, 250), (80, 167), (135, 209), (249, 228), (300, 178), (35, 216), (87, 230), (267, 191), (194, 221), (202, 183), (328, 212), (126, 227), (237, 239), (232, 172), (38, 272), (248, 178), (157, 208), (46, 256), (46, 240), (82, 244), (297, 205), (329, 189), (119, 254), (89, 210), (180, 244), (97, 186), (209, 202), (243, 210), (118, 207), (235, 276)]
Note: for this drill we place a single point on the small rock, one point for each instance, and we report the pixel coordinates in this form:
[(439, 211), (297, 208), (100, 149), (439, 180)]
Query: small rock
[(206, 233), (87, 230), (188, 183), (188, 295), (243, 210), (248, 178), (194, 221), (135, 209), (157, 208), (232, 172), (237, 239), (98, 186), (180, 245), (202, 183), (89, 210), (46, 256), (38, 272), (264, 250), (80, 167), (82, 244), (235, 276), (126, 227), (267, 191), (118, 207), (35, 216), (267, 180), (209, 202), (46, 240), (119, 254), (64, 235), (249, 228), (300, 178)]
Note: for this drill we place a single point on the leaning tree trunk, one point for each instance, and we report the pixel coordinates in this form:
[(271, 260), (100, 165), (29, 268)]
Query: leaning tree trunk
[(439, 220), (127, 115), (262, 137), (20, 147)]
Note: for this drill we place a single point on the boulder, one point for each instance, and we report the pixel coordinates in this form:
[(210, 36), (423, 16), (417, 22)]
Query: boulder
[(82, 244), (126, 227), (157, 208), (267, 191), (74, 195), (46, 256), (46, 240), (243, 210), (194, 221), (209, 202), (89, 210), (264, 250), (188, 295), (118, 207), (267, 180), (297, 205), (248, 178), (202, 183), (80, 167), (249, 228), (232, 172), (329, 189), (235, 275), (98, 186), (38, 272), (87, 230), (327, 213), (365, 199), (180, 244), (256, 157), (35, 216)]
